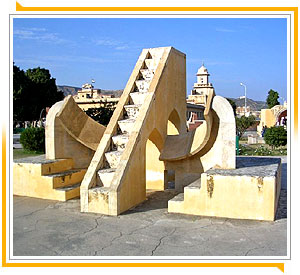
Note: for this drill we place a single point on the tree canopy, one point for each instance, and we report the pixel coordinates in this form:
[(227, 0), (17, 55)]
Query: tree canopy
[(243, 123), (233, 105), (276, 136), (101, 114), (272, 99), (33, 91)]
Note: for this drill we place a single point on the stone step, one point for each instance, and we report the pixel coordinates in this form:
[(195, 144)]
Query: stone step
[(120, 141), (132, 110), (138, 98), (151, 63), (147, 74), (192, 190), (194, 185), (176, 204), (113, 158), (142, 85), (179, 197), (67, 178), (69, 192), (46, 166), (126, 125), (98, 190), (106, 176)]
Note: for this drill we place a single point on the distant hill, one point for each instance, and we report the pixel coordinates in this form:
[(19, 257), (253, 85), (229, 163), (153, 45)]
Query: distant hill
[(71, 90), (254, 105), (68, 90), (116, 93)]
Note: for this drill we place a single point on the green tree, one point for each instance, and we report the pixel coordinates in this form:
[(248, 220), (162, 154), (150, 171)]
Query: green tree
[(272, 99), (243, 123), (43, 89), (33, 91), (233, 105), (101, 115), (33, 139), (20, 94), (276, 136)]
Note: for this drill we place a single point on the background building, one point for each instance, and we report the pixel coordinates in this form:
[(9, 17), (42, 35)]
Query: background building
[(197, 100), (276, 116), (88, 97), (201, 88)]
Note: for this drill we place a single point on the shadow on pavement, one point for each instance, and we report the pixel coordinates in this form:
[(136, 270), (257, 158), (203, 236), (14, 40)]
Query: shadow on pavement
[(155, 200), (282, 205)]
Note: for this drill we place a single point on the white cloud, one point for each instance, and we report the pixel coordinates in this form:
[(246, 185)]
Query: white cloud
[(224, 30), (40, 34), (119, 48), (106, 42), (36, 29), (61, 59), (117, 45)]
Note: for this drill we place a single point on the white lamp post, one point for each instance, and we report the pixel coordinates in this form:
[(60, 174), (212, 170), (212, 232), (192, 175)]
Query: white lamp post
[(245, 96)]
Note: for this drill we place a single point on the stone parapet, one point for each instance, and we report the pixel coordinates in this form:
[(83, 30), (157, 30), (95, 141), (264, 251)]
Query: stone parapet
[(250, 191), (39, 177)]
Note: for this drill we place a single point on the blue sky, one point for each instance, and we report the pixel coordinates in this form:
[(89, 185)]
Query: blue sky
[(252, 51)]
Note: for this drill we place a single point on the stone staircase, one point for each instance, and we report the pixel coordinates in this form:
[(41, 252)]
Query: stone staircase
[(251, 191), (47, 179), (117, 177), (126, 124), (191, 193)]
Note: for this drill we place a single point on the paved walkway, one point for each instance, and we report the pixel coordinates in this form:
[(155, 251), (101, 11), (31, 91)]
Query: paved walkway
[(51, 228)]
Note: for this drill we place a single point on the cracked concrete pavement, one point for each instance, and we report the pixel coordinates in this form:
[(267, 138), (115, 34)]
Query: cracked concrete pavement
[(51, 228)]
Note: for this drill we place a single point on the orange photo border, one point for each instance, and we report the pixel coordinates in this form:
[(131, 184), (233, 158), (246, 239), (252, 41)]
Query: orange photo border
[(19, 7)]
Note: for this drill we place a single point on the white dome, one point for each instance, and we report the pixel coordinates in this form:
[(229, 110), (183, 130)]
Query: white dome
[(202, 70)]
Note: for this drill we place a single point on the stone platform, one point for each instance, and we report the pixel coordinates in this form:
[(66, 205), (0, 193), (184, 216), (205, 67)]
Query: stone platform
[(51, 228), (39, 177), (250, 191)]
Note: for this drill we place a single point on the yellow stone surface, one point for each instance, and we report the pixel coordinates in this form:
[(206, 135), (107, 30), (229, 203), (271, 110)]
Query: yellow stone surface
[(231, 196), (98, 199), (70, 133), (146, 145), (214, 145), (164, 101), (54, 180), (182, 146)]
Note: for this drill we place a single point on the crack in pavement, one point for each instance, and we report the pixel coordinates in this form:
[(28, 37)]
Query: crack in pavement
[(160, 241), (23, 216), (35, 224), (80, 233), (248, 237), (246, 254), (141, 228), (258, 245), (111, 242), (121, 235)]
